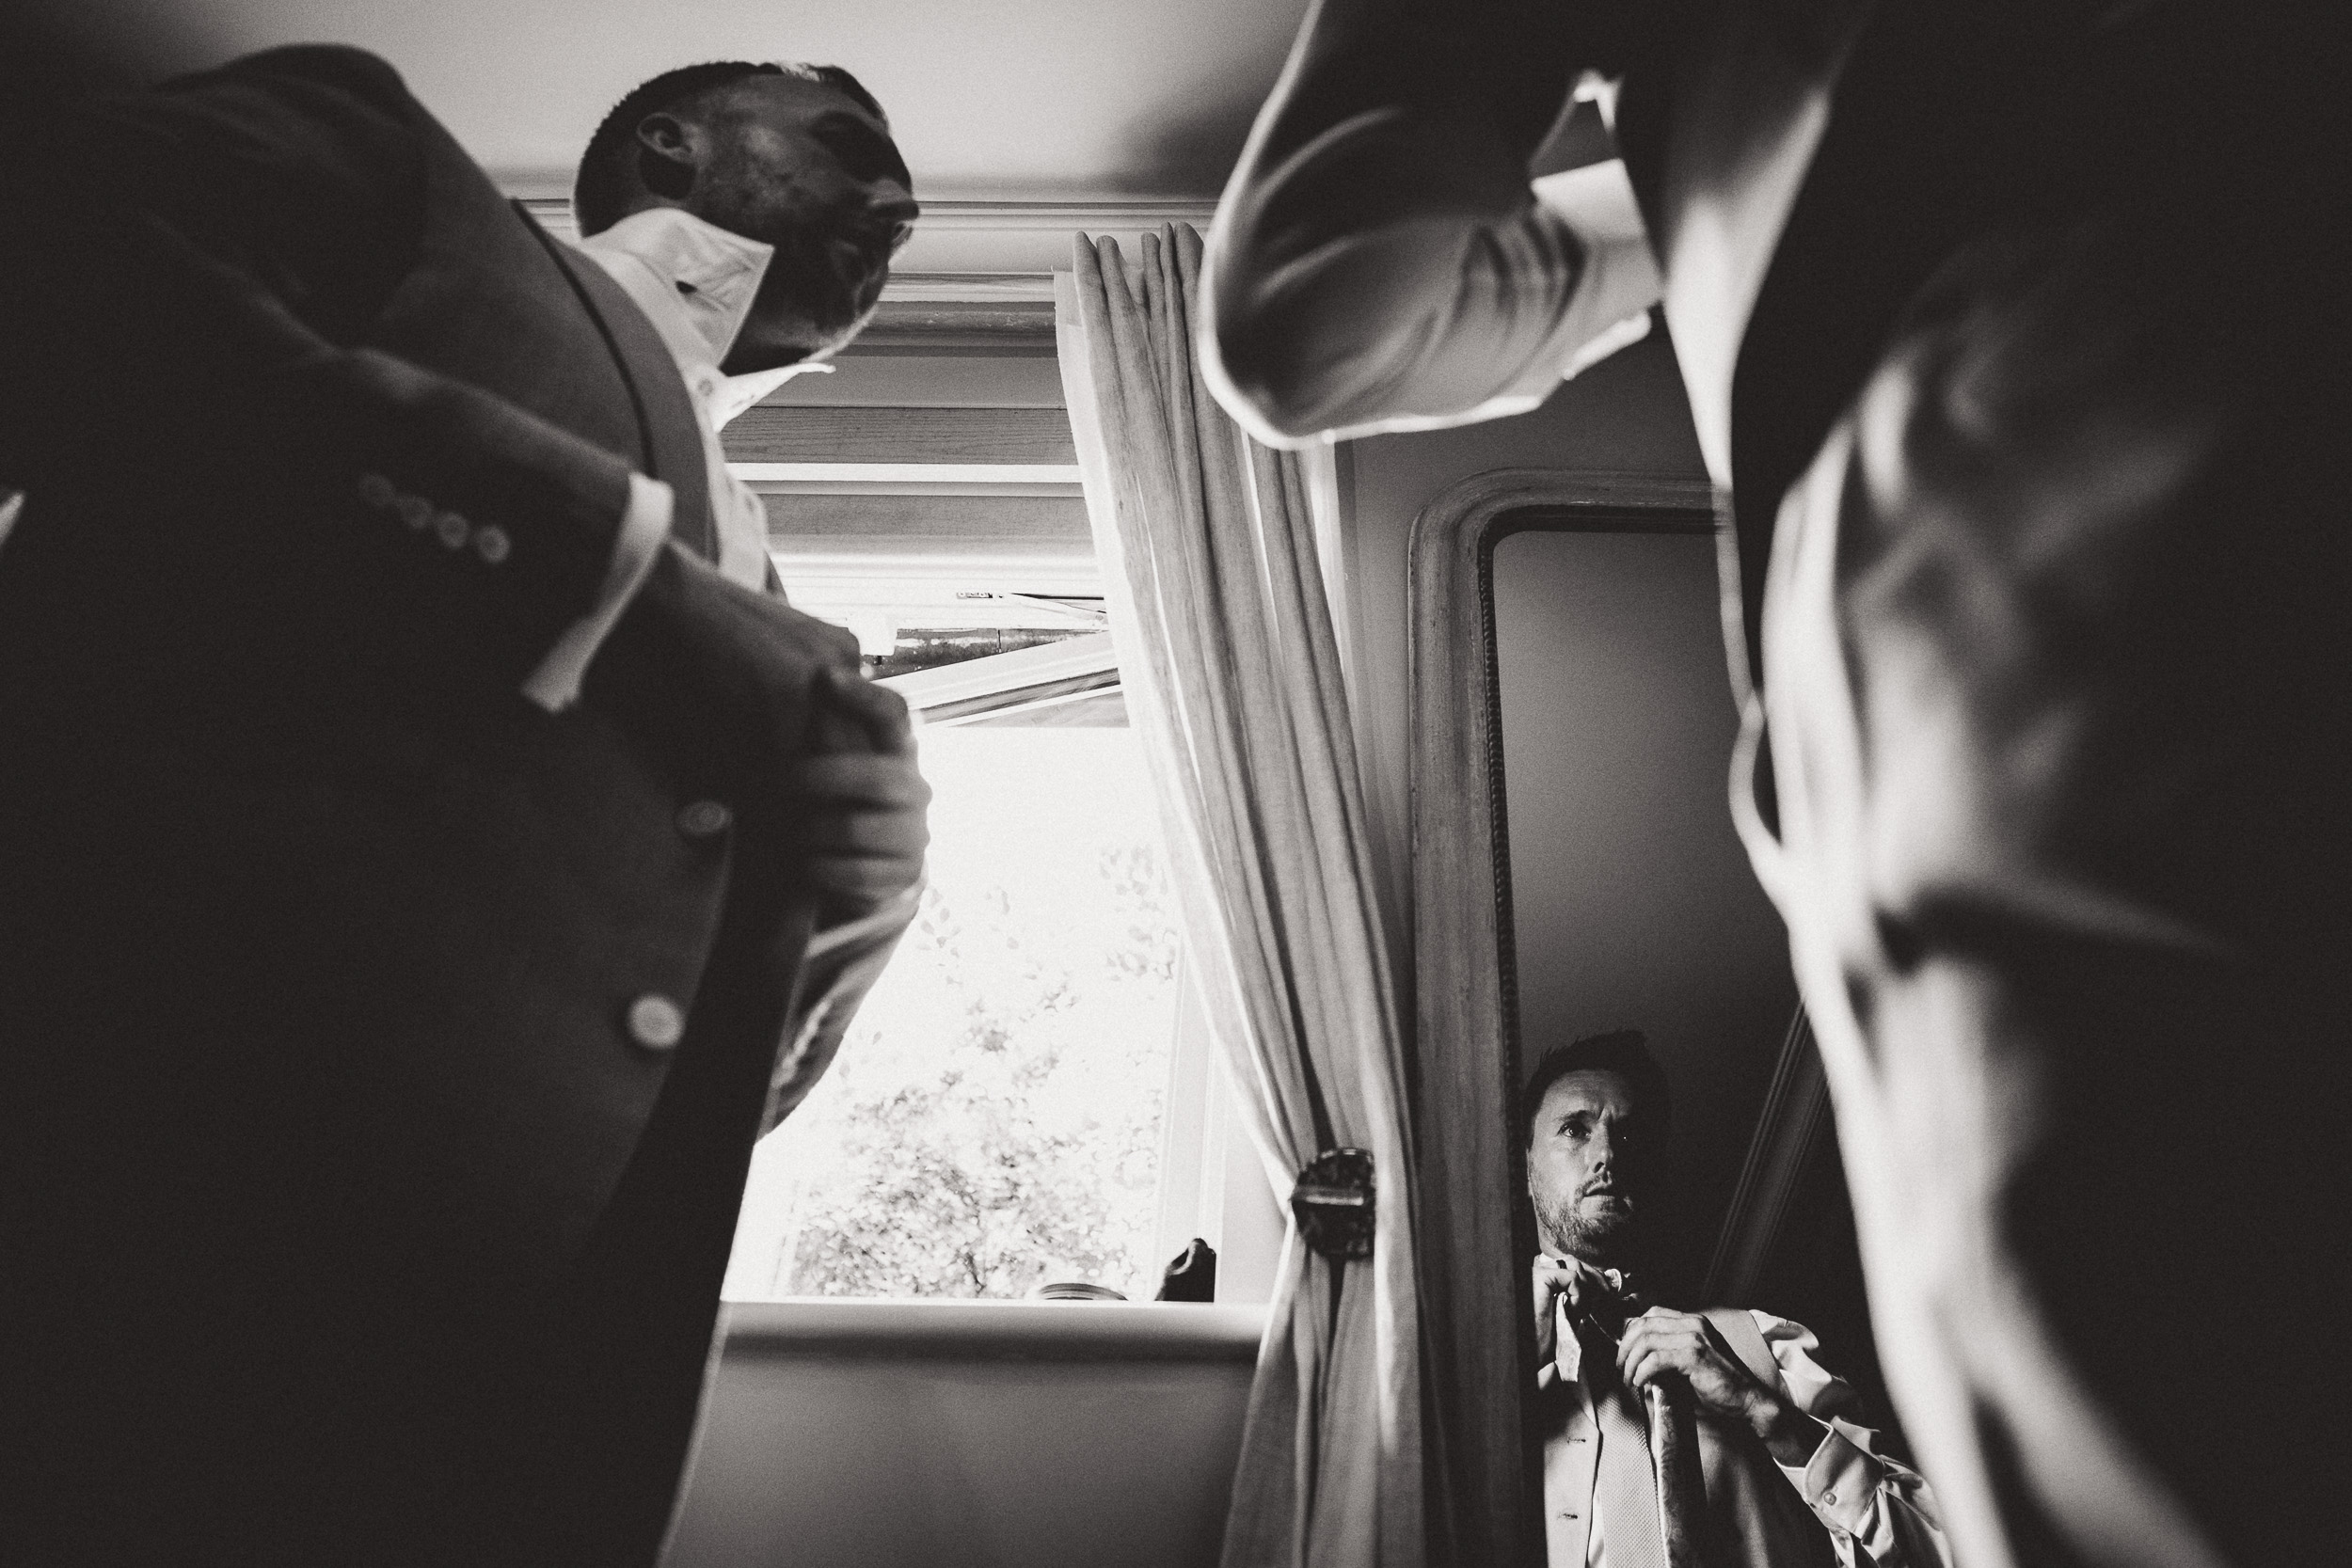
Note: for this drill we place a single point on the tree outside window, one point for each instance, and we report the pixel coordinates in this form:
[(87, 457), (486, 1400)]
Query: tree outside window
[(994, 1118)]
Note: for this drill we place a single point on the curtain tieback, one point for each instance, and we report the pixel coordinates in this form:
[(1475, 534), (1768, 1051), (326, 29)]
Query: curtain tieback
[(1333, 1202)]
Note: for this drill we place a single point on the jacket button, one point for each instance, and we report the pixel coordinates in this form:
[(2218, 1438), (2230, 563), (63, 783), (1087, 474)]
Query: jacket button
[(377, 491), (655, 1023), (453, 528), (491, 543), (414, 509), (704, 819)]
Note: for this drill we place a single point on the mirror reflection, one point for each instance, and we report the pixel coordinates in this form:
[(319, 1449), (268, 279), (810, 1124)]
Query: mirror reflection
[(1700, 1339)]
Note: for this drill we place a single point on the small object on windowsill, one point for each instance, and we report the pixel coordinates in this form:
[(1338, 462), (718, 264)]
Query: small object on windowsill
[(1333, 1203), (1191, 1275), (1073, 1290)]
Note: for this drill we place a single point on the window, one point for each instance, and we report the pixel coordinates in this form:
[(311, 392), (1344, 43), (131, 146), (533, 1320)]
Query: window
[(994, 1119), (1024, 1097)]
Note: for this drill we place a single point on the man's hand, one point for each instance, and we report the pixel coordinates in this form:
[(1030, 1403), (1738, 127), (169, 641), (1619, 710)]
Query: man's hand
[(768, 705), (861, 817), (1551, 1281), (1660, 1343)]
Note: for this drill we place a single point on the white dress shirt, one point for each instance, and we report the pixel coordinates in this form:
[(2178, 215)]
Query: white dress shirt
[(695, 281), (1866, 1502)]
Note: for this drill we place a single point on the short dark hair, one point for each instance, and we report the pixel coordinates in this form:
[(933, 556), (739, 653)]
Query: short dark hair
[(601, 188), (1624, 1051)]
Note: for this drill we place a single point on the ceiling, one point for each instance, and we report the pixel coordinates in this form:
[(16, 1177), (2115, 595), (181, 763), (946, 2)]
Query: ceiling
[(1000, 101)]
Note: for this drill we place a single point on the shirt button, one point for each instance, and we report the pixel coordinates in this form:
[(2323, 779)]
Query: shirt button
[(704, 819), (1829, 1497), (655, 1023), (491, 543), (453, 528)]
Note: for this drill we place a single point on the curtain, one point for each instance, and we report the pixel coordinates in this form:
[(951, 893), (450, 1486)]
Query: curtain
[(1231, 670)]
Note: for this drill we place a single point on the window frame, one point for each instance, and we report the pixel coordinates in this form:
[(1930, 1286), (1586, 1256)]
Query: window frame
[(1211, 1184)]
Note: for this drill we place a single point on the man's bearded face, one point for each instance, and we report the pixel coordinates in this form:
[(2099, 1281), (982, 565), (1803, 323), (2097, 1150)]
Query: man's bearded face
[(801, 166), (1584, 1158)]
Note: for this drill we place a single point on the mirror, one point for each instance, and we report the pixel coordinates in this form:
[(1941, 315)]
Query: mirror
[(1633, 906), (1576, 871)]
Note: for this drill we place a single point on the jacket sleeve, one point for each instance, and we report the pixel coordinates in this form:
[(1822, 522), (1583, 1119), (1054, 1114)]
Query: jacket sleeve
[(1877, 1510), (204, 257), (1380, 261)]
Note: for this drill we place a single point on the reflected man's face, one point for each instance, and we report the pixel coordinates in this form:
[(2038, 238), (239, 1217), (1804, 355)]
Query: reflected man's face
[(1587, 1167)]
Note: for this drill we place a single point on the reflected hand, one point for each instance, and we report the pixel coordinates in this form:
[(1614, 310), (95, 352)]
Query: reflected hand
[(1552, 1280), (1661, 1344)]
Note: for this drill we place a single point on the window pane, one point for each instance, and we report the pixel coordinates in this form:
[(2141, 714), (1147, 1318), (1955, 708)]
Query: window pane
[(993, 1120)]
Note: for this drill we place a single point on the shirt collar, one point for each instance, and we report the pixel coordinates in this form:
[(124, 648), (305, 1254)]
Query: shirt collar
[(713, 273), (696, 282)]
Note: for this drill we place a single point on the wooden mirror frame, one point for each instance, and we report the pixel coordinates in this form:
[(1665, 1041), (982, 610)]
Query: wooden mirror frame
[(1485, 1508)]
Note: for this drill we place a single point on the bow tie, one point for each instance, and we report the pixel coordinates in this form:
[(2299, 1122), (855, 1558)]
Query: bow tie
[(1608, 1296)]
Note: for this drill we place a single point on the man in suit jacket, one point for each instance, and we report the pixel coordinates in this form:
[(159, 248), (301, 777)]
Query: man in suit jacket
[(411, 836), (2013, 337)]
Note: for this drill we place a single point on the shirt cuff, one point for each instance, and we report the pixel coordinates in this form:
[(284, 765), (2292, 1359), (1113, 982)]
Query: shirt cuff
[(1838, 1483), (644, 526), (895, 911), (1620, 280)]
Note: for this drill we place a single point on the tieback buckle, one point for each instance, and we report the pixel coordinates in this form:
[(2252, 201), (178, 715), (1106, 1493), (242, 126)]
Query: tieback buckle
[(1333, 1202)]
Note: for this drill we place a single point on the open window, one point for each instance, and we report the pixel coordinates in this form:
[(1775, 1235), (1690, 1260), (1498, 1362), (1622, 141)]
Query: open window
[(1028, 1096)]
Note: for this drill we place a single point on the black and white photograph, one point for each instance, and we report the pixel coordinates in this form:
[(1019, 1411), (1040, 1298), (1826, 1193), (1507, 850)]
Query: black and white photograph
[(1222, 783)]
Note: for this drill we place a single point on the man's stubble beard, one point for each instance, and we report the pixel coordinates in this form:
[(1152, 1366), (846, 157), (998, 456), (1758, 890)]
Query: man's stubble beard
[(803, 278), (1604, 1243), (807, 277)]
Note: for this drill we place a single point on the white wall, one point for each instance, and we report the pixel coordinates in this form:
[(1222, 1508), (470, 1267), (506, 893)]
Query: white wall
[(1625, 412), (969, 1434), (1009, 99)]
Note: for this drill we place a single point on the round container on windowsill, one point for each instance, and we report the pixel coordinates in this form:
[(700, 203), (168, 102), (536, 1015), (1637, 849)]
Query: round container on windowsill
[(1073, 1290)]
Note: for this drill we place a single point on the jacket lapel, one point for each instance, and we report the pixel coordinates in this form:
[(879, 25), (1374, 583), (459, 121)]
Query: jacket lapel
[(668, 426)]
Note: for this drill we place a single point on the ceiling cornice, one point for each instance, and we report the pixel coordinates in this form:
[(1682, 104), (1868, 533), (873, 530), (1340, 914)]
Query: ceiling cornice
[(976, 240), (1089, 214)]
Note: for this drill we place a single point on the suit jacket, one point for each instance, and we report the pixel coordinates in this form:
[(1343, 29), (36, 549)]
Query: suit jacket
[(359, 1204), (1939, 123), (2064, 595)]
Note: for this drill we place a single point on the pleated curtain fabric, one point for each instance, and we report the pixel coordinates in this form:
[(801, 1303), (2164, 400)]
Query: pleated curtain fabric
[(1233, 678)]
